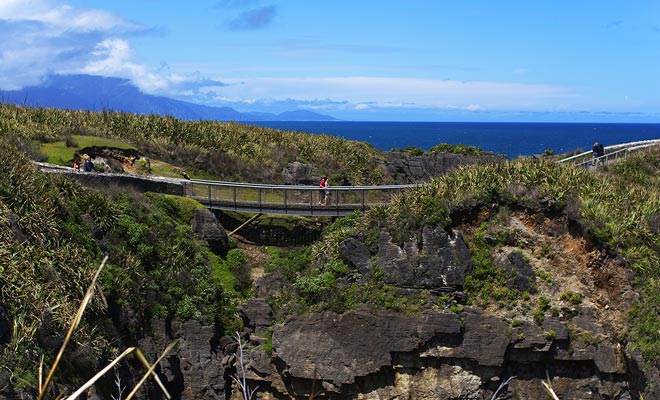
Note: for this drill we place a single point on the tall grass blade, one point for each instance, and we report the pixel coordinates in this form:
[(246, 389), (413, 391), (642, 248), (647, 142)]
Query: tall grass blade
[(151, 370), (74, 325), (100, 374), (146, 364)]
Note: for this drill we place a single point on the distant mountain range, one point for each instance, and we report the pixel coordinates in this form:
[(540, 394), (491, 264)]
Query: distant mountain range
[(96, 93)]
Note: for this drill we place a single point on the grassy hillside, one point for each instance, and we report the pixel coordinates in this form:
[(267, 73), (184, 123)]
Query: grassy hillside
[(53, 234), (226, 150)]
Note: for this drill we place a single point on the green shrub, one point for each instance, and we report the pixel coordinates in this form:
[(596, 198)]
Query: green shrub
[(289, 262), (571, 297), (458, 149), (316, 287)]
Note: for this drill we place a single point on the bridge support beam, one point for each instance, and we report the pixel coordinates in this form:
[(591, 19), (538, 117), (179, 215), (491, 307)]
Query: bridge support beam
[(244, 224)]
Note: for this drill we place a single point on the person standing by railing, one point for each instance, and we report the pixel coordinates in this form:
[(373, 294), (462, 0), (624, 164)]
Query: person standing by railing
[(598, 151), (324, 191)]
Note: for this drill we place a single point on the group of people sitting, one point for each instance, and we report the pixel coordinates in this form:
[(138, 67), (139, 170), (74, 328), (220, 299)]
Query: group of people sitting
[(88, 165)]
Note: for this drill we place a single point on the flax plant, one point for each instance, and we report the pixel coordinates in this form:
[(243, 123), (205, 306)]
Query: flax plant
[(174, 139)]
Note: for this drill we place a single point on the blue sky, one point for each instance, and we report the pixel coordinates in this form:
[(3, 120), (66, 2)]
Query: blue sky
[(431, 60)]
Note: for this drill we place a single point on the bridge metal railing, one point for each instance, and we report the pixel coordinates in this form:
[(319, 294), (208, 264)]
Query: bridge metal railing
[(289, 199), (612, 153)]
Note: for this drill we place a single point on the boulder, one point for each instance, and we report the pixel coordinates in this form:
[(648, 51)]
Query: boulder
[(269, 284), (208, 229), (524, 278), (402, 167), (338, 348), (297, 173), (257, 315), (356, 255), (484, 339), (196, 371), (441, 261)]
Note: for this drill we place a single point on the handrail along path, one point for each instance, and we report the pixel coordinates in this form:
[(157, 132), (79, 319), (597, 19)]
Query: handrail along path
[(308, 199), (289, 199), (612, 153), (250, 197)]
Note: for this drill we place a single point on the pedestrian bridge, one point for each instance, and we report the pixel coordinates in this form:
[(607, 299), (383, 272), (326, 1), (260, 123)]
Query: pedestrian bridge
[(289, 199), (296, 199), (246, 197), (612, 153)]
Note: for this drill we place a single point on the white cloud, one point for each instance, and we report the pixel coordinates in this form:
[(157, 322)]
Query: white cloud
[(61, 17), (40, 37), (114, 57)]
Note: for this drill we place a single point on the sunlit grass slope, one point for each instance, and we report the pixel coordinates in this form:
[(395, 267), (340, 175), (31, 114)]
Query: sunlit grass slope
[(227, 150)]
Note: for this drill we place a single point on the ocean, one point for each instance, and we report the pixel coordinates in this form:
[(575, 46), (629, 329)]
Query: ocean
[(510, 139)]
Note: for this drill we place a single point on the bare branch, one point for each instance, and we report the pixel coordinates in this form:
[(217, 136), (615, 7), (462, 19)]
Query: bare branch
[(242, 382), (502, 386)]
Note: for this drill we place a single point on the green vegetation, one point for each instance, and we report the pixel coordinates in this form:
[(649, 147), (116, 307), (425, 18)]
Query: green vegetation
[(571, 297), (443, 148), (225, 150), (53, 234), (317, 279), (618, 209), (550, 335), (543, 304), (457, 149), (62, 151), (620, 215)]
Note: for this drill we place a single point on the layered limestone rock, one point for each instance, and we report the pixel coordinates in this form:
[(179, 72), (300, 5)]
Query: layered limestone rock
[(437, 354), (401, 167), (441, 260), (372, 355)]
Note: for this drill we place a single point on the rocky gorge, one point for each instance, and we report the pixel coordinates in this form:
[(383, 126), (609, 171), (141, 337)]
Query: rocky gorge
[(458, 290), (467, 353)]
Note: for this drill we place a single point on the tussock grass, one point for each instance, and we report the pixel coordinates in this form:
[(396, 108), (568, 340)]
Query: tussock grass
[(618, 208), (52, 230), (43, 386), (228, 150)]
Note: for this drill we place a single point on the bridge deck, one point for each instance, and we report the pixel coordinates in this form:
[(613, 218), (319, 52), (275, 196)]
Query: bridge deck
[(289, 199), (612, 153), (296, 199)]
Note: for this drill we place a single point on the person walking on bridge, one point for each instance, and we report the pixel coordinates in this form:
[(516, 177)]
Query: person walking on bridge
[(324, 191)]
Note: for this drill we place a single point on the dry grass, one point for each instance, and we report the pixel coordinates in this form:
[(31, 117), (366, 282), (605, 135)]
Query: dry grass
[(42, 390)]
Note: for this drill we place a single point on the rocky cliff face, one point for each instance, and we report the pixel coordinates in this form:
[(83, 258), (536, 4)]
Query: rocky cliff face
[(367, 354), (437, 354), (397, 167), (410, 169)]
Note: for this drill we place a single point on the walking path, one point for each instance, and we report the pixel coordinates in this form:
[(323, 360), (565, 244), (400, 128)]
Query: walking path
[(304, 200)]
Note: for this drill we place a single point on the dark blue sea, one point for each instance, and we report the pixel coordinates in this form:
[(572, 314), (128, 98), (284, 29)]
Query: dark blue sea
[(510, 139)]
